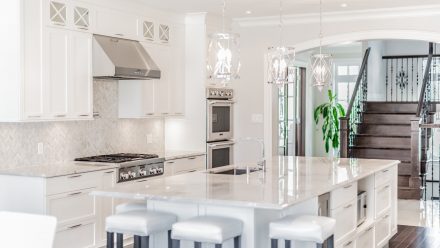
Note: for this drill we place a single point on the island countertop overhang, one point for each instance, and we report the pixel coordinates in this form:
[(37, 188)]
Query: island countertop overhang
[(286, 182)]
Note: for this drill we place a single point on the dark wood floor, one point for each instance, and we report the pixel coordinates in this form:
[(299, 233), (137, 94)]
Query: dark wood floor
[(415, 237)]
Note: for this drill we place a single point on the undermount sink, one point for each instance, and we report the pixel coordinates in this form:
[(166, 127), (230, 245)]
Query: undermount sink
[(235, 171)]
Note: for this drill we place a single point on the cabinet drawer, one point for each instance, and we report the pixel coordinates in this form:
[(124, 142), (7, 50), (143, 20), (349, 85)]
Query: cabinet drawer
[(346, 220), (343, 195), (117, 24), (383, 230), (348, 244), (382, 177), (186, 164), (78, 235), (383, 199), (366, 238), (70, 207), (58, 185)]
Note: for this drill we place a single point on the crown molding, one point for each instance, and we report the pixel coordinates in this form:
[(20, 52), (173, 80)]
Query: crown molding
[(384, 13)]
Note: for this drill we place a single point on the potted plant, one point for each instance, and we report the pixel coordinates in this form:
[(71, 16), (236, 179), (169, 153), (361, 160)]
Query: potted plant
[(330, 113)]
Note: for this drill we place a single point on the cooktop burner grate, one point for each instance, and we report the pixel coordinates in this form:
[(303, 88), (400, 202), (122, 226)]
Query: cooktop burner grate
[(117, 158)]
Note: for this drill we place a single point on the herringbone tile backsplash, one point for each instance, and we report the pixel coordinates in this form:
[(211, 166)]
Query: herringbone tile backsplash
[(64, 141)]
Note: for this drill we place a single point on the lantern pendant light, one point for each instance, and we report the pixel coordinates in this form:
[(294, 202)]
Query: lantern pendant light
[(280, 59), (223, 62), (321, 63)]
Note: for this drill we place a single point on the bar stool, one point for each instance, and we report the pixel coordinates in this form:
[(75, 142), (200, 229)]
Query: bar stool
[(306, 228), (207, 229), (134, 219)]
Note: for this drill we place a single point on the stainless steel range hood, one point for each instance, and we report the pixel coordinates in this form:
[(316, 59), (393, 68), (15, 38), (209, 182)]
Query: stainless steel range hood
[(122, 59)]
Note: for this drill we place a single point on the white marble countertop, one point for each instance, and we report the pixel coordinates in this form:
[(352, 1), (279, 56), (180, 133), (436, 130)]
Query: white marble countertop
[(287, 181), (49, 171), (171, 155)]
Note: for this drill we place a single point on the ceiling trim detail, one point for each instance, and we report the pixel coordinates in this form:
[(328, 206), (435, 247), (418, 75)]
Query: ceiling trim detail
[(385, 13)]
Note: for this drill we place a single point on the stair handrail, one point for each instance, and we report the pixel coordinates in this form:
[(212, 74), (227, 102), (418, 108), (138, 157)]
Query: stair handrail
[(426, 78), (358, 81), (348, 123)]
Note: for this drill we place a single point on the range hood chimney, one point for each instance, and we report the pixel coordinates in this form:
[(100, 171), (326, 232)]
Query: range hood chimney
[(122, 59)]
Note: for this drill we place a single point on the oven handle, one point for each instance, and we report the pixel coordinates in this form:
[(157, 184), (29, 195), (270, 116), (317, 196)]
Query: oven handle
[(221, 144), (225, 102)]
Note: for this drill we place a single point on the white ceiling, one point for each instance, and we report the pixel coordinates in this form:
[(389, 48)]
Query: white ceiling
[(238, 8)]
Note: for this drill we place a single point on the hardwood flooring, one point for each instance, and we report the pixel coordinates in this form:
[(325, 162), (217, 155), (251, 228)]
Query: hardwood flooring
[(415, 237)]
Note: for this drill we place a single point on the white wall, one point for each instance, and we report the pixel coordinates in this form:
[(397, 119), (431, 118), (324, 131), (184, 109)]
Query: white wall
[(302, 33)]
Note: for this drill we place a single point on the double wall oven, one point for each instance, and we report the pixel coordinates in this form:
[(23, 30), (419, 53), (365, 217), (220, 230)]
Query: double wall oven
[(220, 133)]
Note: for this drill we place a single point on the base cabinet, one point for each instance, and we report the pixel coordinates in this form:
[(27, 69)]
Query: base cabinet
[(185, 165), (80, 235), (379, 225)]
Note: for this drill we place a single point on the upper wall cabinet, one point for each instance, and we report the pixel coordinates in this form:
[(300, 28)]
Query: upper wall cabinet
[(119, 24), (68, 14)]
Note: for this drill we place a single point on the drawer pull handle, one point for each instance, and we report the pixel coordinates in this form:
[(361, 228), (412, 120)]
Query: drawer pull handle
[(75, 226), (348, 206), (385, 171), (119, 34), (348, 186), (170, 162), (59, 116), (109, 172), (349, 243), (76, 193), (85, 115), (369, 229), (149, 114), (34, 116), (386, 217), (192, 158), (141, 181), (75, 176)]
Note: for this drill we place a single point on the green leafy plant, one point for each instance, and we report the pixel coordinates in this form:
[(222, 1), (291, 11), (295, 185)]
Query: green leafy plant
[(330, 113)]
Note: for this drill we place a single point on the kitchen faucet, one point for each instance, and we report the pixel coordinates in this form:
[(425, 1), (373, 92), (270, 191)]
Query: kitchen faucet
[(261, 165)]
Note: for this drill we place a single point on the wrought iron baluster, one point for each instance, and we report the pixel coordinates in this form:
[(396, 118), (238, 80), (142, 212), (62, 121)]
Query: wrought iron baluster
[(412, 79), (391, 84), (406, 78), (386, 80)]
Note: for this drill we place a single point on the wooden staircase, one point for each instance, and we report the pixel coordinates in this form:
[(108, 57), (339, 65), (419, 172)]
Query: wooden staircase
[(385, 133)]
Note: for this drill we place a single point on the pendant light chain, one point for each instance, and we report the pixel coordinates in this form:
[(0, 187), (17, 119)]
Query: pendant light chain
[(223, 16), (281, 23), (320, 26)]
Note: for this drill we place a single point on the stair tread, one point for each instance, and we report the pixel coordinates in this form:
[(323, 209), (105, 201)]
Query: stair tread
[(388, 113), (384, 124), (408, 188), (383, 135), (385, 102), (380, 147)]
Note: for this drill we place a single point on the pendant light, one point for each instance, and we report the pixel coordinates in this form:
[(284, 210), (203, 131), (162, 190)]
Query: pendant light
[(321, 63), (223, 62), (280, 59)]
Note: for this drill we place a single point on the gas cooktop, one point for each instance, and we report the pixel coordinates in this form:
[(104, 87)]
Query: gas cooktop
[(117, 158)]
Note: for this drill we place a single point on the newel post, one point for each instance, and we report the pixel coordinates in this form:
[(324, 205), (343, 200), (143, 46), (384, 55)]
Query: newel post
[(415, 153), (344, 134)]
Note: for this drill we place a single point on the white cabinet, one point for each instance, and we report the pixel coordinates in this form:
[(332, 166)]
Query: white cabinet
[(136, 99), (346, 220), (383, 230), (106, 205), (79, 235), (117, 23), (68, 15), (81, 84), (366, 238), (185, 165), (56, 69), (67, 74)]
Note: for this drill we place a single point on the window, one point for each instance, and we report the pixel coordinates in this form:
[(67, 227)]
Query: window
[(287, 114), (345, 80)]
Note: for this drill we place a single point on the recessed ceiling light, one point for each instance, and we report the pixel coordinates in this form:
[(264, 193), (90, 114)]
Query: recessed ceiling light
[(344, 5), (248, 12)]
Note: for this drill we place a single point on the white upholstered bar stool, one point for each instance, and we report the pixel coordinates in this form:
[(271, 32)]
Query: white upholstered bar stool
[(134, 219), (207, 229), (305, 228)]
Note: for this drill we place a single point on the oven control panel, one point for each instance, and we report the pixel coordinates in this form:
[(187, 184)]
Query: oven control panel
[(140, 171), (219, 93)]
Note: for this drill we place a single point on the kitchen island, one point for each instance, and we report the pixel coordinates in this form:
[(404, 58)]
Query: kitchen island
[(288, 185)]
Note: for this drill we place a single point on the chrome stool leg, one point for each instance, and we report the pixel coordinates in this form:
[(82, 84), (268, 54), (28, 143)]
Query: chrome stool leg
[(197, 245), (287, 244), (170, 241), (176, 243), (218, 245), (137, 241)]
